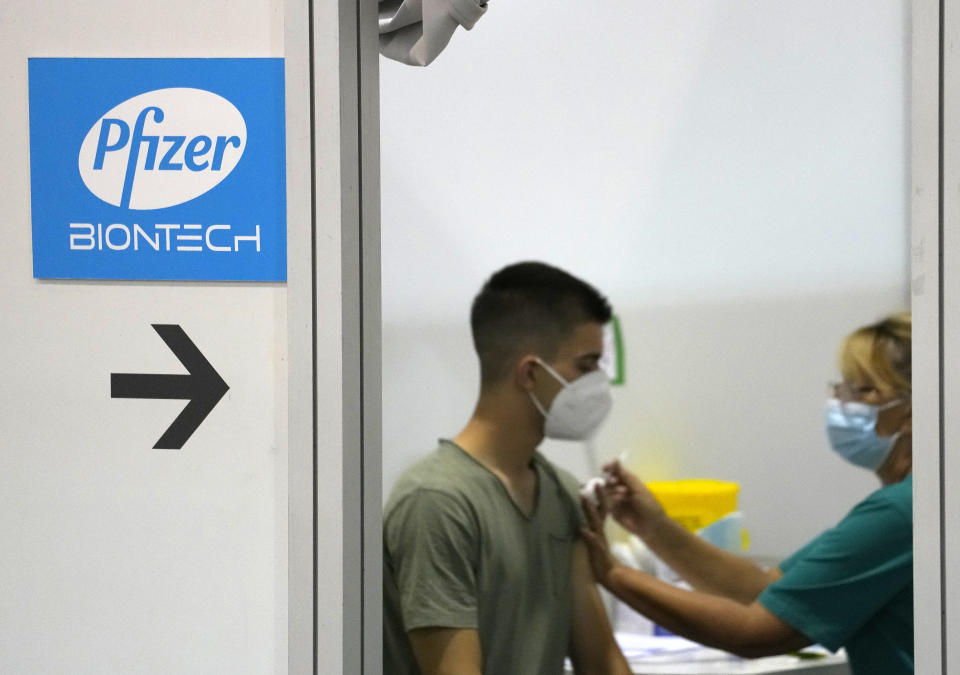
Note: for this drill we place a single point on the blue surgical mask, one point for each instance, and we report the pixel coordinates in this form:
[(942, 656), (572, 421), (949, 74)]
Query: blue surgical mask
[(852, 430)]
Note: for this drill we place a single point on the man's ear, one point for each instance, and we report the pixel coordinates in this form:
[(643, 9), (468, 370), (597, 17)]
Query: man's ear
[(525, 372)]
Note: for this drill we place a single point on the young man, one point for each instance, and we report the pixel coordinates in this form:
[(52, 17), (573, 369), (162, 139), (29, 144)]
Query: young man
[(483, 569)]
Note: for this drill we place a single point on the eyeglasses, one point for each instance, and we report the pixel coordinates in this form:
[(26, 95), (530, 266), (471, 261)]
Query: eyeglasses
[(848, 393)]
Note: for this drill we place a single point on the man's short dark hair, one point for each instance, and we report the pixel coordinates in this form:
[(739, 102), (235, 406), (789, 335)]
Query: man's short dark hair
[(529, 307)]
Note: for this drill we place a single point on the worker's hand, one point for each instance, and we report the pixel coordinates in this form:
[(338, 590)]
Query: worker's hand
[(602, 561), (630, 502)]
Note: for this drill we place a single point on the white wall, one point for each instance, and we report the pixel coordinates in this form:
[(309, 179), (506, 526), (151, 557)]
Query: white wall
[(731, 173), (117, 558)]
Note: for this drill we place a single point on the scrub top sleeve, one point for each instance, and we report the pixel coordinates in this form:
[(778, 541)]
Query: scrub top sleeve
[(842, 579), (416, 31), (798, 555), (432, 542)]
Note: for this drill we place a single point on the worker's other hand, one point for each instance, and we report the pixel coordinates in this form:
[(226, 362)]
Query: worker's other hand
[(630, 502), (602, 561)]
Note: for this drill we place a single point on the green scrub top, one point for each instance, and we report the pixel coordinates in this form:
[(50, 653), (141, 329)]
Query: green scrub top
[(852, 586)]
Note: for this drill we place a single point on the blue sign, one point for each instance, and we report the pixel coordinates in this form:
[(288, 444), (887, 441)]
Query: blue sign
[(158, 169)]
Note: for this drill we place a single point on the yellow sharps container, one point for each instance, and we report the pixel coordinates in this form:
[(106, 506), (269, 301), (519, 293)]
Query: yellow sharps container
[(696, 503)]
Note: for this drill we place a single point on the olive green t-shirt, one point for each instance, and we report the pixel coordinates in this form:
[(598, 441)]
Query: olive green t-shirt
[(852, 586), (459, 553)]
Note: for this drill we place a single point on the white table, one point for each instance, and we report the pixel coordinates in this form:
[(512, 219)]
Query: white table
[(655, 655)]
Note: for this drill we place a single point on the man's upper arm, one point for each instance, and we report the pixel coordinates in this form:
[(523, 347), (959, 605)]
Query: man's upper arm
[(592, 647), (447, 651), (432, 545)]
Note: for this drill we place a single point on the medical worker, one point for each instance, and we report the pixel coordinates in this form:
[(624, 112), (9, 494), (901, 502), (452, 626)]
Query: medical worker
[(851, 587)]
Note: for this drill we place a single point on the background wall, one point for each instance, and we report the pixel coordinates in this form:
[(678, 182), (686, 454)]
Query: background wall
[(117, 558), (731, 173)]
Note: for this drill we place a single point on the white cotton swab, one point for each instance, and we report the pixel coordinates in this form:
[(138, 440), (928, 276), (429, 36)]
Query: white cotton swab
[(589, 489)]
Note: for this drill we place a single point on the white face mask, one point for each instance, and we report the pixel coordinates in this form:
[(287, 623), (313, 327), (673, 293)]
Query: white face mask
[(577, 409)]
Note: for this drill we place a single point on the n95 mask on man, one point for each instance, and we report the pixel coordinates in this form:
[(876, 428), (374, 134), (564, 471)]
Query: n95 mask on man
[(579, 408)]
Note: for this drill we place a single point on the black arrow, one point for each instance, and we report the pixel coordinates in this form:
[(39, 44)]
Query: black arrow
[(203, 386)]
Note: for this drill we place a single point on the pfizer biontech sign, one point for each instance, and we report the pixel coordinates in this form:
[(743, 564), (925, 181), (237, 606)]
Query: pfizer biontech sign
[(158, 169)]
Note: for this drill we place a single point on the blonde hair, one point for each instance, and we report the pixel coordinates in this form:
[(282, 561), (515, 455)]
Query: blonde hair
[(879, 354)]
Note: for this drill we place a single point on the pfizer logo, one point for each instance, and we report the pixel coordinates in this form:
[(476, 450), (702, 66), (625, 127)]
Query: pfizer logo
[(162, 148)]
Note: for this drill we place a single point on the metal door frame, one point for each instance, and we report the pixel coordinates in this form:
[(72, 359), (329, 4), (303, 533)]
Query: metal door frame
[(333, 155)]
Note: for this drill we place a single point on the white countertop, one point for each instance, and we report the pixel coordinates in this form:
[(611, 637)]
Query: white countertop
[(657, 655)]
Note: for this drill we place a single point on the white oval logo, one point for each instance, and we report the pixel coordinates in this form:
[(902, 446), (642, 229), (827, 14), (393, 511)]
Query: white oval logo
[(162, 148)]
